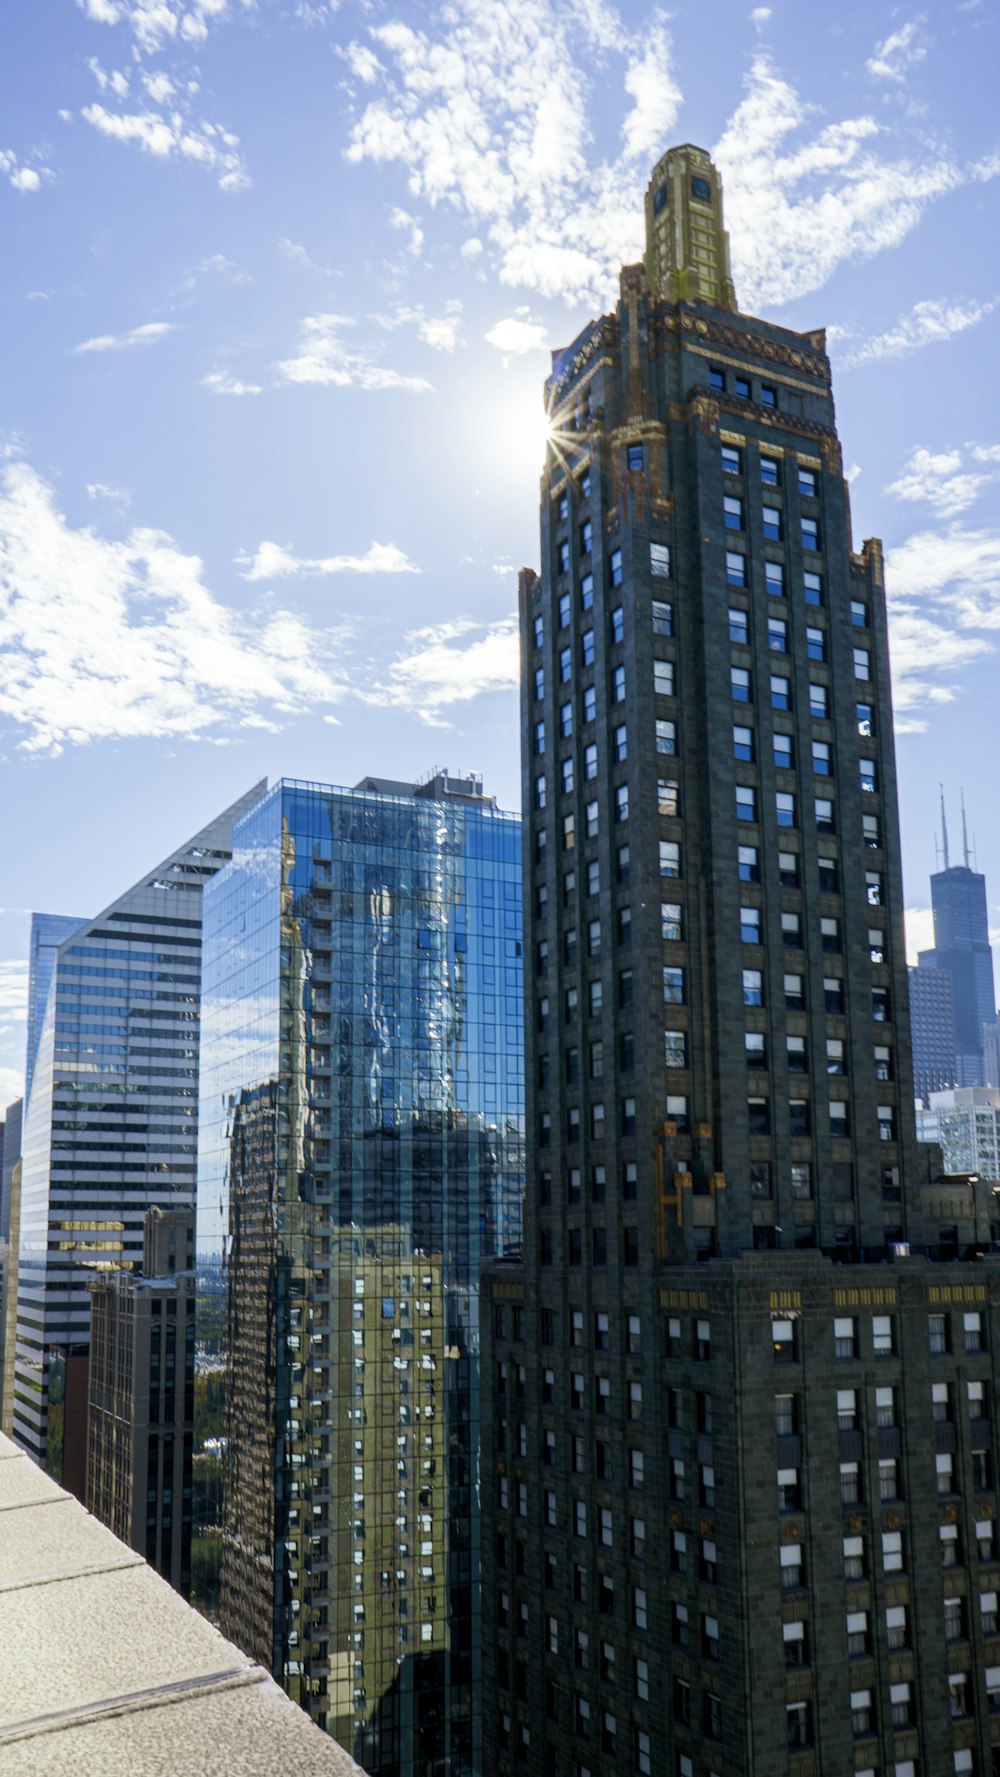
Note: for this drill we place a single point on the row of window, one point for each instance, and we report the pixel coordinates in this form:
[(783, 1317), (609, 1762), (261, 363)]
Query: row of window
[(770, 470), (833, 1005), (784, 1337), (741, 387), (734, 517)]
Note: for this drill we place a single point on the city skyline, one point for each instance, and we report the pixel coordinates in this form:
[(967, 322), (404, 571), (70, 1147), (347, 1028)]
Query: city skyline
[(234, 361)]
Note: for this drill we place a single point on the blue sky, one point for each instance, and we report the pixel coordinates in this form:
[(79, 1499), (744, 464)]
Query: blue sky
[(278, 285)]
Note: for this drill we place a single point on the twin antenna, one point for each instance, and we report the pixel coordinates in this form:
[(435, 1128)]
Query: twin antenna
[(942, 849)]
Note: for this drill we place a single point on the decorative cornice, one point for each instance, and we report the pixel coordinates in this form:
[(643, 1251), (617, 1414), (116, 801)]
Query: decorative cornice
[(671, 322)]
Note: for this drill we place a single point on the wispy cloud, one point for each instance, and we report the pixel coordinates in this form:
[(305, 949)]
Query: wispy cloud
[(222, 382), (800, 200), (207, 144), (438, 331), (926, 323), (23, 178), (448, 664), (325, 357), (919, 932), (155, 24), (944, 611), (146, 335), (898, 53), (13, 992), (103, 639), (942, 480), (489, 111), (518, 333), (271, 561), (105, 490)]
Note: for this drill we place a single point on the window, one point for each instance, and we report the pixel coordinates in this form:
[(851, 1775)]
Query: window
[(784, 1415), (537, 631), (988, 1612), (777, 635), (736, 568), (716, 378), (768, 395), (850, 1484), (862, 663), (769, 471), (753, 989), (618, 624), (663, 678), (663, 618), (742, 388), (587, 647), (858, 1634), (807, 482), (791, 930), (796, 1646), (847, 1409), (739, 679), (892, 1551), (615, 567), (954, 1623), (621, 802), (618, 685), (861, 1713), (812, 586), (539, 681), (784, 804), (833, 994), (844, 1337), (566, 773), (783, 753), (742, 742), (896, 1632), (800, 1179), (888, 1478), (746, 803), (671, 916), (821, 758), (673, 986), (973, 1325), (790, 1562), (789, 1490), (636, 458), (749, 930), (825, 817), (738, 626), (774, 577), (900, 1705), (859, 614), (589, 703), (748, 863), (732, 509), (810, 533), (659, 564), (675, 1048), (707, 1566), (795, 1049), (666, 742), (854, 1557), (984, 1539), (771, 518), (867, 771), (938, 1330), (670, 857), (783, 1342), (758, 1116), (816, 643), (731, 460)]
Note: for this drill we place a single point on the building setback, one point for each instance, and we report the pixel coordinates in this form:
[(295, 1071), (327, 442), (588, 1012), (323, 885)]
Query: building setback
[(110, 1127), (360, 1155), (738, 1440), (140, 1421)]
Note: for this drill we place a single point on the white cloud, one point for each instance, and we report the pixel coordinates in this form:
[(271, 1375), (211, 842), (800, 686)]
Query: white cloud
[(272, 561), (222, 382), (760, 15), (11, 1085), (13, 993), (518, 333), (20, 177), (472, 248), (943, 591), (170, 132), (145, 335), (490, 112), (897, 53), (940, 480), (324, 357), (919, 932), (105, 490), (402, 219), (797, 206), (158, 23), (450, 663), (102, 639), (439, 331), (927, 323)]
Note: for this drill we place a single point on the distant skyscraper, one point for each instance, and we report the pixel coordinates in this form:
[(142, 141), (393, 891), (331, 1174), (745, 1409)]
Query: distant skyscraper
[(48, 930), (140, 1424), (110, 1127), (360, 1155), (739, 1442), (962, 947), (10, 1188), (932, 1026)]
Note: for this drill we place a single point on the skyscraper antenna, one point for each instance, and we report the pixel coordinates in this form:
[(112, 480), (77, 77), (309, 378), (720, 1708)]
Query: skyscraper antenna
[(944, 828), (965, 834)]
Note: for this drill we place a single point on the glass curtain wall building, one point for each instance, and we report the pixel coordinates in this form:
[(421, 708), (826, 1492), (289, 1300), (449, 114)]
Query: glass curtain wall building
[(48, 931), (110, 1127), (360, 1155)]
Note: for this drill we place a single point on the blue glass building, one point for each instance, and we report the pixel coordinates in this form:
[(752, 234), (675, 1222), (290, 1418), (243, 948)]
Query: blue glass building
[(360, 1156), (48, 930)]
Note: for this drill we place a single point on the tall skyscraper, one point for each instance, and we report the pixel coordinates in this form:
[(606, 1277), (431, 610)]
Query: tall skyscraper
[(140, 1419), (962, 949), (932, 1029), (738, 1453), (360, 1155), (48, 931), (110, 1126)]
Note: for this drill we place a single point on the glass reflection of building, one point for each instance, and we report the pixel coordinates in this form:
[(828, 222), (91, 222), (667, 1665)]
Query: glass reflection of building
[(360, 1155)]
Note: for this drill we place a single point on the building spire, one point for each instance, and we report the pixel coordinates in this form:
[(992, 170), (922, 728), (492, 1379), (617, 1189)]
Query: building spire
[(965, 834), (944, 828), (687, 247)]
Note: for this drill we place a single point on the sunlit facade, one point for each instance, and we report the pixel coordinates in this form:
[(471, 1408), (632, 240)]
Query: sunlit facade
[(361, 1154)]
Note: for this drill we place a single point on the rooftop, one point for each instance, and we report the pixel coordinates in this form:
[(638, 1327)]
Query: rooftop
[(105, 1668)]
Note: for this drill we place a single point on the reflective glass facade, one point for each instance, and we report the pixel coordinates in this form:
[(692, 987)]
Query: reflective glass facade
[(360, 1155), (110, 1127)]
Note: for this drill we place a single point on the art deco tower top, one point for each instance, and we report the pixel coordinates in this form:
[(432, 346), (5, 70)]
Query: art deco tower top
[(687, 247)]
